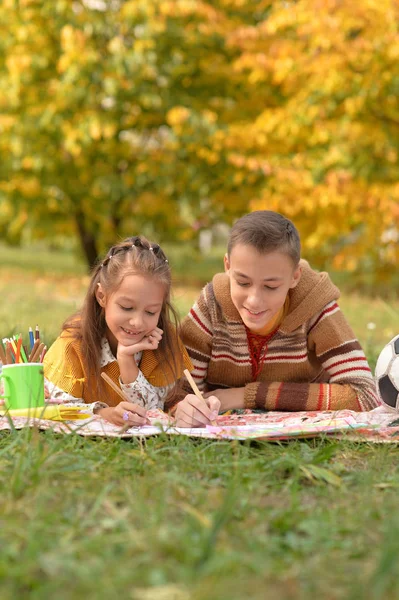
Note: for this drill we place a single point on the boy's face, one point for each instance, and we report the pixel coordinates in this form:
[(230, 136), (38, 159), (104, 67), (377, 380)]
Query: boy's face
[(259, 283)]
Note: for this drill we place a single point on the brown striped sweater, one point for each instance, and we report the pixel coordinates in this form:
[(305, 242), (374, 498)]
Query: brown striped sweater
[(312, 362)]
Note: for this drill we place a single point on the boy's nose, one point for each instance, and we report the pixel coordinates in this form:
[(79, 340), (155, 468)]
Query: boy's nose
[(253, 300)]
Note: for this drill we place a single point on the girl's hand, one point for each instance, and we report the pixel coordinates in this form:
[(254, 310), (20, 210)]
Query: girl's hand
[(126, 413), (148, 342), (193, 412)]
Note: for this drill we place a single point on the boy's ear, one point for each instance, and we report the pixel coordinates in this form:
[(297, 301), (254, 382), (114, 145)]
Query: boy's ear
[(100, 295), (226, 263), (296, 276)]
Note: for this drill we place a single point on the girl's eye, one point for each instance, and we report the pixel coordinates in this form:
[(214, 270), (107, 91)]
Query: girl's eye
[(150, 313), (242, 284), (125, 307)]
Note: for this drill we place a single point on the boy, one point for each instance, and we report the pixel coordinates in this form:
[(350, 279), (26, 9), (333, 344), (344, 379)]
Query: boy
[(268, 333)]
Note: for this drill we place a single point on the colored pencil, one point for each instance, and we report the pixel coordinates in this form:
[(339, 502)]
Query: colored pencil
[(31, 338), (9, 360), (38, 351), (33, 351), (114, 387), (37, 333), (18, 350), (24, 352), (42, 354), (2, 355)]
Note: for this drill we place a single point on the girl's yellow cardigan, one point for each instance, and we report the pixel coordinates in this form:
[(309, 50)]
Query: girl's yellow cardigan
[(63, 366)]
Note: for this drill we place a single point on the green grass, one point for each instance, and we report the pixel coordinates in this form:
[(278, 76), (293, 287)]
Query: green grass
[(183, 519)]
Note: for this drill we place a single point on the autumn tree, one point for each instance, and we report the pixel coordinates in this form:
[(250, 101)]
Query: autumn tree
[(115, 115)]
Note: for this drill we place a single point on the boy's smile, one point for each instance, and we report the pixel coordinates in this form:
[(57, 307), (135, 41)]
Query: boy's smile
[(259, 283)]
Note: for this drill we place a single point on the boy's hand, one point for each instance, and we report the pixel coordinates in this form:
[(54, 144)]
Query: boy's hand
[(148, 342), (230, 398), (126, 413), (193, 412)]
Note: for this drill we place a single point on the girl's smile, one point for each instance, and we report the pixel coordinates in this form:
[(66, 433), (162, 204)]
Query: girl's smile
[(132, 311)]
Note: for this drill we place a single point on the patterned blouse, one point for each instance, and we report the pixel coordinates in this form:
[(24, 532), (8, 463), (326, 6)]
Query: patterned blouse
[(139, 392)]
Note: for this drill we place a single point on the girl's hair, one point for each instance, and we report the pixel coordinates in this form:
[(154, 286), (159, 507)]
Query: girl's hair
[(134, 255), (267, 231)]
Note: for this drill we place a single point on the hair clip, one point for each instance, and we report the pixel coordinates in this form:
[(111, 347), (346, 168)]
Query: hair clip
[(151, 249)]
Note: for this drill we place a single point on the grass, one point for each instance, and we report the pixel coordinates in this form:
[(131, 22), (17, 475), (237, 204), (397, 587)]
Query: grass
[(181, 519)]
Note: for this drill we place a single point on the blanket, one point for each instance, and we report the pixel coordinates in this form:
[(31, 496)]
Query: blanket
[(378, 425)]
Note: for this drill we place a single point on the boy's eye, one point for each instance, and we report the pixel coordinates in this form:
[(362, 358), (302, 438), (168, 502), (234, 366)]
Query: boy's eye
[(268, 287), (125, 307), (150, 313), (241, 284)]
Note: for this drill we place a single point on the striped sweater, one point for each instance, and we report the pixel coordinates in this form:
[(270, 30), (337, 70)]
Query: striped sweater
[(312, 362)]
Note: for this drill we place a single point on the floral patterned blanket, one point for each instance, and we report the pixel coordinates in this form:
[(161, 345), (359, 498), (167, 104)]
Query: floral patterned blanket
[(378, 425)]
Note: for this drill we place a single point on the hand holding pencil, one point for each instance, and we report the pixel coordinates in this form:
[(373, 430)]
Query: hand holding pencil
[(195, 410)]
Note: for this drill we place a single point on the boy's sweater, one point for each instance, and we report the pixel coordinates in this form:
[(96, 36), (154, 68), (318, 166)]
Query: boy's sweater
[(312, 362)]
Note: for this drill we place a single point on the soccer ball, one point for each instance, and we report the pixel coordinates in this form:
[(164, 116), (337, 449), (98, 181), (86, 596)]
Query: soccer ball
[(387, 373)]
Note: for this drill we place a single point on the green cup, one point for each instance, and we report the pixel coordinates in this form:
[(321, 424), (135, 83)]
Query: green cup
[(23, 385)]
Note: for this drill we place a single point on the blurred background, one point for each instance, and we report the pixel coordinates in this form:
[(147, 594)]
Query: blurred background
[(173, 118)]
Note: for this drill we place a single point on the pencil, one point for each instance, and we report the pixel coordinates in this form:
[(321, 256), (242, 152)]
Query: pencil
[(18, 350), (8, 354), (31, 338), (42, 354), (2, 355), (33, 351), (38, 352), (24, 352), (195, 389), (114, 387), (37, 333)]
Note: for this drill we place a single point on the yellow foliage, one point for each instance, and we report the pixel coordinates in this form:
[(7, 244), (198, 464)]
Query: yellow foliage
[(177, 116)]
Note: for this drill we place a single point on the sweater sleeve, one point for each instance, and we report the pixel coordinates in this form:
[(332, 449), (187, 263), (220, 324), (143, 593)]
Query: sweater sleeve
[(63, 368), (346, 381), (196, 333)]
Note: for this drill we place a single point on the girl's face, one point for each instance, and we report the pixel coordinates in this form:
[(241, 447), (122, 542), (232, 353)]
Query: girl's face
[(132, 310), (259, 283)]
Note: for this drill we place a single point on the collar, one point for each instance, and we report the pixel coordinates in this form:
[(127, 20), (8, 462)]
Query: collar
[(107, 357)]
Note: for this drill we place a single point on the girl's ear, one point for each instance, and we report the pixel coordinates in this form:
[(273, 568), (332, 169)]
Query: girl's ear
[(226, 263), (100, 295)]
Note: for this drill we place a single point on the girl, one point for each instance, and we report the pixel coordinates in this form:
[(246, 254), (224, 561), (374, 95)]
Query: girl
[(124, 329)]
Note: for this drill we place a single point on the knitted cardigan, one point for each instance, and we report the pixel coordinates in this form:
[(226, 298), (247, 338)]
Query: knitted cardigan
[(64, 367), (312, 362)]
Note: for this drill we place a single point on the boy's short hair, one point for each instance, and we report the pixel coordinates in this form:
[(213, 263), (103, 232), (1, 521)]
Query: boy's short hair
[(267, 231)]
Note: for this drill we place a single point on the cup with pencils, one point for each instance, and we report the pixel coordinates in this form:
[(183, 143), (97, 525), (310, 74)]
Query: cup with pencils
[(22, 371)]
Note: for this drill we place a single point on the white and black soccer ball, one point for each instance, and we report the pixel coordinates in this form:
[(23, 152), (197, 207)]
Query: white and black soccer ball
[(387, 373)]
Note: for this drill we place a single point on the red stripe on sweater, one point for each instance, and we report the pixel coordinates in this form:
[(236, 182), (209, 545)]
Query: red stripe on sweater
[(200, 323), (320, 398), (239, 361), (325, 312), (278, 394), (283, 356), (351, 369), (346, 360)]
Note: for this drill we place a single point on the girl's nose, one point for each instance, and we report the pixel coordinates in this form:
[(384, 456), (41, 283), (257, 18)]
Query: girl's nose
[(136, 321)]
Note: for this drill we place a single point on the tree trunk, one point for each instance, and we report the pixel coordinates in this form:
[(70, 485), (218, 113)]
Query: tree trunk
[(87, 240)]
